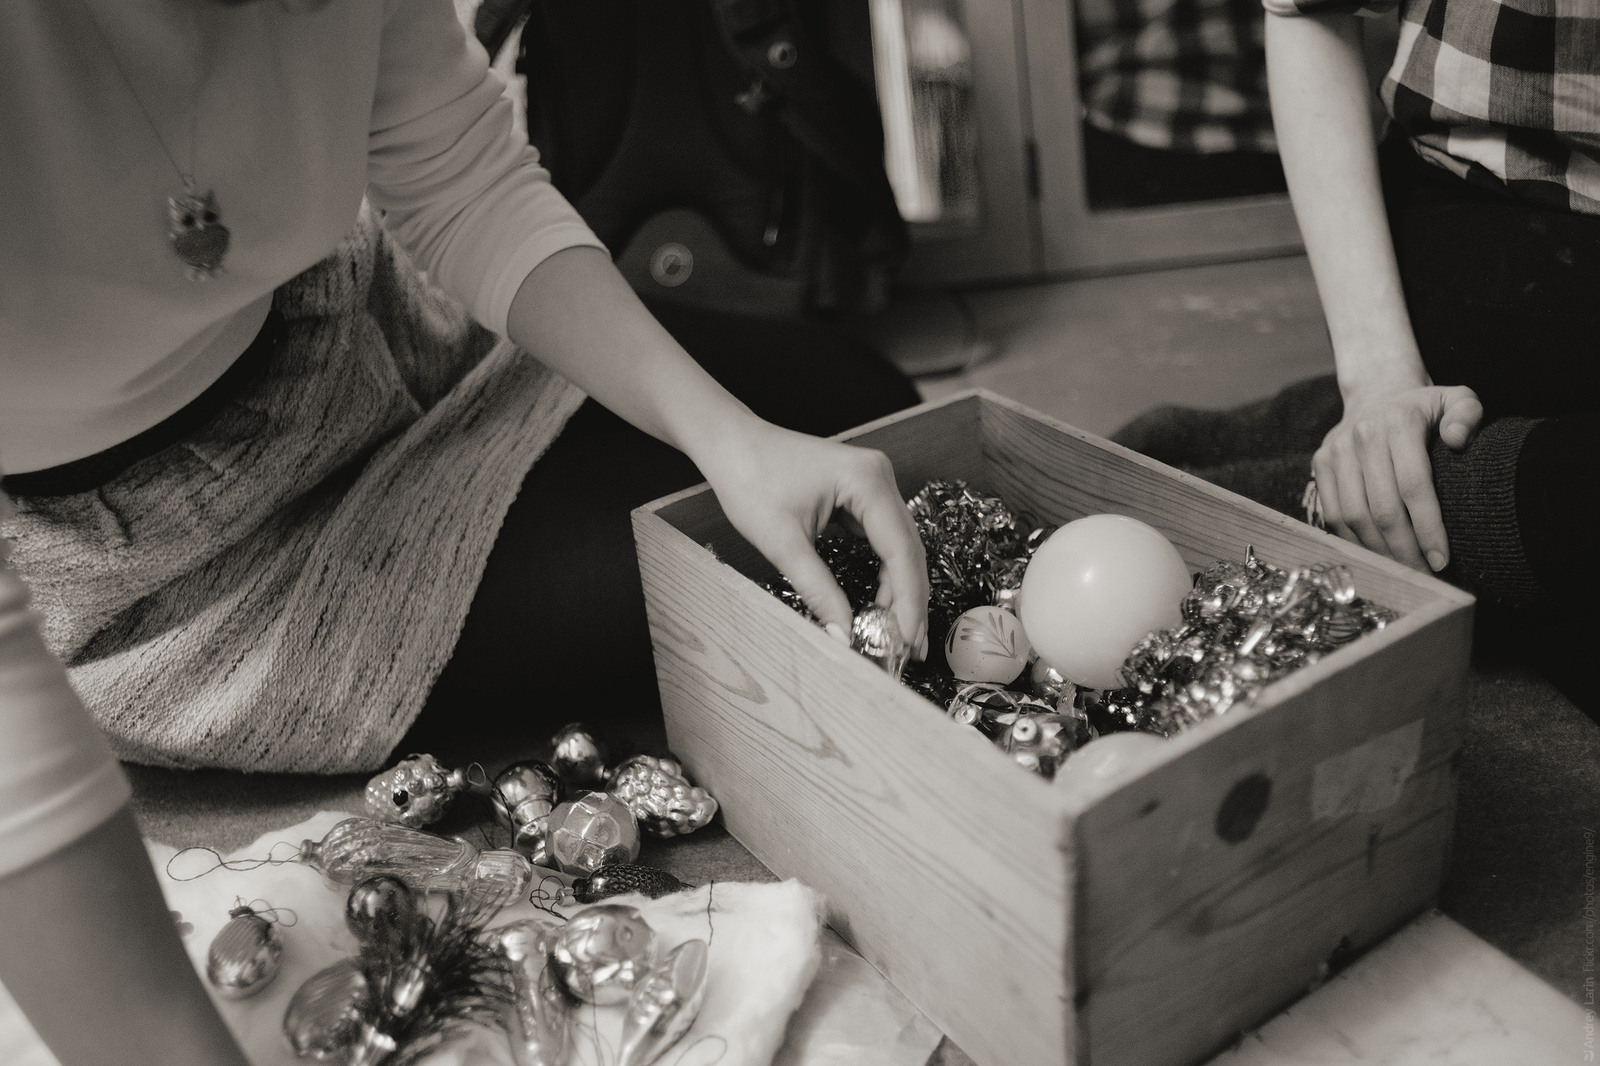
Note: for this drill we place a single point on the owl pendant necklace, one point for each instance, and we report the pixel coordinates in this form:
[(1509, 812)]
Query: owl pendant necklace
[(194, 226), (194, 221)]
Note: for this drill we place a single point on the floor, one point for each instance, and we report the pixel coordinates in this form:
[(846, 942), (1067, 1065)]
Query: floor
[(1096, 352)]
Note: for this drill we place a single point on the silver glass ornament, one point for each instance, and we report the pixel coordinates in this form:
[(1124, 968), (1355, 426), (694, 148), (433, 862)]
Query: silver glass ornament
[(381, 908), (324, 1019), (602, 952), (538, 1018), (245, 955), (660, 796), (588, 832), (875, 634), (664, 1004), (523, 796), (417, 790), (578, 757)]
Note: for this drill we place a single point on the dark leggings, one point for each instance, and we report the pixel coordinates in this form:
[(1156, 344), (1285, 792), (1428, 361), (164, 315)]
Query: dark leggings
[(1505, 298), (557, 630)]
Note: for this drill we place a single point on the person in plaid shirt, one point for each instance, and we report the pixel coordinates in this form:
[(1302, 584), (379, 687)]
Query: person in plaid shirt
[(1175, 101), (1458, 264)]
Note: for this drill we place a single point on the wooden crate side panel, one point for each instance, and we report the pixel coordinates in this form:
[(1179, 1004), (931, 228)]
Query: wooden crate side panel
[(936, 440), (1061, 473), (941, 861), (1190, 932)]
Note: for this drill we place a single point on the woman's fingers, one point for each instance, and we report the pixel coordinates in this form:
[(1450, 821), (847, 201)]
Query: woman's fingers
[(798, 561), (1461, 417), (1378, 445), (903, 578)]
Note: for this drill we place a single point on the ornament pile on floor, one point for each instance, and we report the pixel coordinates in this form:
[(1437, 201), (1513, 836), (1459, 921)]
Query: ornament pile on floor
[(1075, 649), (762, 951), (397, 945)]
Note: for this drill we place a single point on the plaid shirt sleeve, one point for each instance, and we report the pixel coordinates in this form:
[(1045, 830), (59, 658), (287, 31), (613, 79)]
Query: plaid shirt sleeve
[(1504, 94), (1329, 7)]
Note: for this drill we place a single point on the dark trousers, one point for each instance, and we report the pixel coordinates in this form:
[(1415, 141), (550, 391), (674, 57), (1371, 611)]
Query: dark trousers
[(1504, 297), (557, 632)]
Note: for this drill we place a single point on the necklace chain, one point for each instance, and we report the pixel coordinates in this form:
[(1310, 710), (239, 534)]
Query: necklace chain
[(194, 222), (186, 174)]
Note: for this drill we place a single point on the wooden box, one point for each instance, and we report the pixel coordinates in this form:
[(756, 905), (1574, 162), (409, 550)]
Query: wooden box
[(1150, 924)]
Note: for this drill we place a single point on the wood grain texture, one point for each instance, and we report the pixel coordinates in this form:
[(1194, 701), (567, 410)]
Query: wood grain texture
[(1035, 923), (1433, 993), (931, 848)]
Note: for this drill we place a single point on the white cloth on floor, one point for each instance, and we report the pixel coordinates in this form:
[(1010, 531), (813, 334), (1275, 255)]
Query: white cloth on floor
[(763, 956)]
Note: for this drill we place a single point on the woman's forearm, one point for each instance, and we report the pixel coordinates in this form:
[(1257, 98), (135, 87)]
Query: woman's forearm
[(1325, 138), (89, 952), (584, 320)]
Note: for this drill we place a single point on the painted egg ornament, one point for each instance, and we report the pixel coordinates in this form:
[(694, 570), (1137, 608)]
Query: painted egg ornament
[(1094, 589), (987, 644)]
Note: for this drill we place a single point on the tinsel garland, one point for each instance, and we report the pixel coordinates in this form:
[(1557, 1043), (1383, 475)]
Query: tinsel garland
[(1245, 624)]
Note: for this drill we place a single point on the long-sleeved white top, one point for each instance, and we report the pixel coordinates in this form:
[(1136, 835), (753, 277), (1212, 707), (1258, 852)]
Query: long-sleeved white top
[(289, 117)]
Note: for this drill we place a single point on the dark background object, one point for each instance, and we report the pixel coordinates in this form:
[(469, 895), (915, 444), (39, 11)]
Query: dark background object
[(715, 138)]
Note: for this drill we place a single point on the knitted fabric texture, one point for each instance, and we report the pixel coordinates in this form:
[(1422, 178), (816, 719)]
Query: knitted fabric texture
[(1478, 498), (280, 590)]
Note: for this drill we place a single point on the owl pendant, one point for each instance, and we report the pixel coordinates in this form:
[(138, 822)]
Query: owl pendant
[(198, 236)]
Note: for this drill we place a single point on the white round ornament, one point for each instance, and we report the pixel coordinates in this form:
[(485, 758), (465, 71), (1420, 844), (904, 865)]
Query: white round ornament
[(1111, 758), (987, 644), (1094, 589)]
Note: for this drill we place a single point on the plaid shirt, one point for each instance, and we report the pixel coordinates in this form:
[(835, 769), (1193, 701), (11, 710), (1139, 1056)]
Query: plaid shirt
[(1183, 75), (1503, 93)]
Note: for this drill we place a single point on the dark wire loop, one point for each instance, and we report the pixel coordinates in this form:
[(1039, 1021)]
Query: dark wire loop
[(271, 859)]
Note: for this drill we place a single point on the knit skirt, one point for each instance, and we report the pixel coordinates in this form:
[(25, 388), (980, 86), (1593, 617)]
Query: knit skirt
[(279, 590)]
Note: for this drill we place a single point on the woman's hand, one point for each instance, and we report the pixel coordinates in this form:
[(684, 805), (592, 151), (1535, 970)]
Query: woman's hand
[(780, 488), (1374, 478)]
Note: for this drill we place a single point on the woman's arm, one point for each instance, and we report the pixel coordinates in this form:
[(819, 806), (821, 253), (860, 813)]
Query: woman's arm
[(87, 945), (779, 488), (89, 952), (1372, 470)]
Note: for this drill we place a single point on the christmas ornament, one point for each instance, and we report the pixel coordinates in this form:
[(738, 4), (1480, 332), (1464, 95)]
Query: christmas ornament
[(990, 707), (664, 1004), (624, 878), (976, 547), (876, 634), (591, 831), (538, 1017), (416, 791), (381, 907), (414, 984), (1096, 588), (602, 952), (1243, 626), (523, 795), (1113, 757), (987, 644), (1040, 741), (660, 796), (358, 848), (577, 757), (324, 1015), (1046, 682), (245, 955)]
